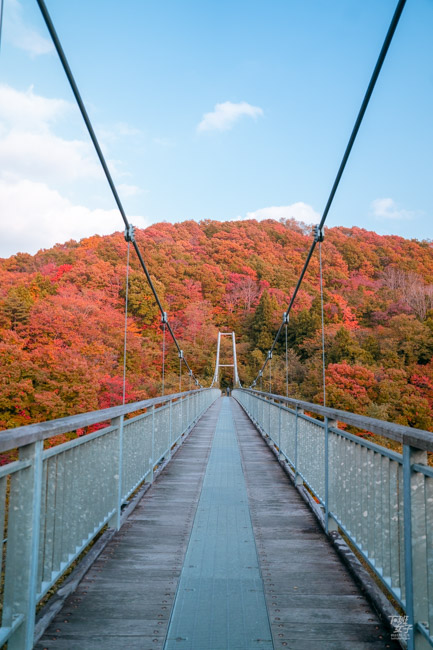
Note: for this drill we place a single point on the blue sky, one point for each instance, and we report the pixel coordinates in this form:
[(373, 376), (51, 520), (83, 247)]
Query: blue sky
[(220, 110)]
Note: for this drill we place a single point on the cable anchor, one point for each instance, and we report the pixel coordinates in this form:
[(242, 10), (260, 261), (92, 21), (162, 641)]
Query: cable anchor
[(130, 233), (318, 234)]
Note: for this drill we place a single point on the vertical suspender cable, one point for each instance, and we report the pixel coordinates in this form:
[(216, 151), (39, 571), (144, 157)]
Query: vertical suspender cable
[(180, 374), (323, 324), (270, 375), (287, 366), (163, 358), (126, 326)]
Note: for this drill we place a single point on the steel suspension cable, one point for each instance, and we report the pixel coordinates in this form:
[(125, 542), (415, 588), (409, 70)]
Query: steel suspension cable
[(270, 375), (85, 116), (287, 364), (323, 323), (163, 358), (1, 21), (374, 77), (126, 326)]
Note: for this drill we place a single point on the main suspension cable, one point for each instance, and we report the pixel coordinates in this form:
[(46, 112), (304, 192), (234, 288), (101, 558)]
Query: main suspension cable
[(76, 92), (362, 110)]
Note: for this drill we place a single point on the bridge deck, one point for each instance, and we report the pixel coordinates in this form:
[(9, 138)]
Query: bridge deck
[(288, 581)]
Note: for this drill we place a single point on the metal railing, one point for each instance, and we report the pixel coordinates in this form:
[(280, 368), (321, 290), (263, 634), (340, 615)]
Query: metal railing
[(53, 502), (380, 499)]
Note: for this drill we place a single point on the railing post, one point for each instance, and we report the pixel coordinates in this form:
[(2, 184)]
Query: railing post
[(118, 423), (269, 419), (118, 473), (152, 459), (23, 547), (280, 454), (326, 474), (330, 523), (415, 546), (298, 478), (170, 427)]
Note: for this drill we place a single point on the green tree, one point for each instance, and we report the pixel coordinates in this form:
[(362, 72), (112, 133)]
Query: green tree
[(344, 347), (263, 328), (141, 301), (16, 307), (303, 326)]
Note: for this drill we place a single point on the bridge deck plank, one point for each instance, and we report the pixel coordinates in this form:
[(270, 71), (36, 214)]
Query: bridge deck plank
[(220, 601), (126, 598), (312, 600)]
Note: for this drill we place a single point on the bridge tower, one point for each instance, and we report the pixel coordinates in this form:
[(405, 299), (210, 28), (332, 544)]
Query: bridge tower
[(234, 365)]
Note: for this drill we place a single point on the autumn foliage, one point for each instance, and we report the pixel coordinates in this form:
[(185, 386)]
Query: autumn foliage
[(62, 318)]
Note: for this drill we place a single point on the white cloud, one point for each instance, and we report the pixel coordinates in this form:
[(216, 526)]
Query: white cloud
[(299, 211), (21, 35), (35, 216), (124, 129), (226, 114), (129, 190), (29, 111), (28, 146), (164, 142), (111, 133), (45, 156), (389, 209), (38, 169)]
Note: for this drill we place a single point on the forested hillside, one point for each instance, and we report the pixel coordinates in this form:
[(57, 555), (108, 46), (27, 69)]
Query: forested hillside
[(62, 318)]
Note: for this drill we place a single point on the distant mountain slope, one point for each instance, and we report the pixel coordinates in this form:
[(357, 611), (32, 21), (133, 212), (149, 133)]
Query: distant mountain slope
[(62, 311)]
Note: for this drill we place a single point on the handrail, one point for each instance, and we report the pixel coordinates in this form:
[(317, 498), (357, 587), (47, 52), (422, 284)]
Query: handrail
[(27, 434), (406, 435), (381, 500), (46, 516)]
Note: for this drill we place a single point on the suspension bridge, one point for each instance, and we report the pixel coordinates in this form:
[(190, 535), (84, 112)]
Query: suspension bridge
[(205, 522), (218, 523)]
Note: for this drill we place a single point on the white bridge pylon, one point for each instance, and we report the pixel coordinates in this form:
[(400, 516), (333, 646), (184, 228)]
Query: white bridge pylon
[(234, 365)]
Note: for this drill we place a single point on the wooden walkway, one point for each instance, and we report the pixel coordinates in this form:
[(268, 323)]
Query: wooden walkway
[(127, 598)]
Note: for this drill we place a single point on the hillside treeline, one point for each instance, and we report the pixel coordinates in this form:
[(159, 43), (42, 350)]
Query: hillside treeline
[(62, 318)]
